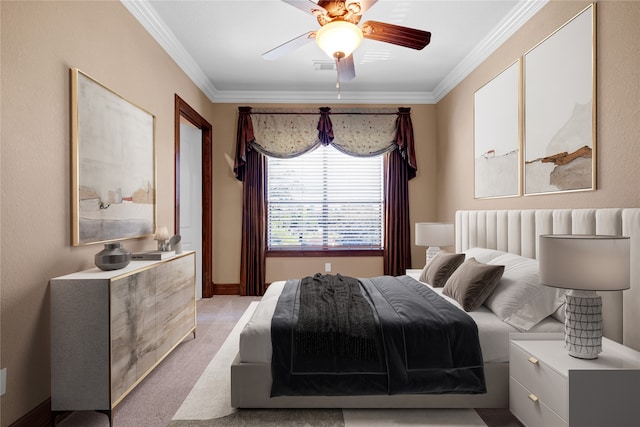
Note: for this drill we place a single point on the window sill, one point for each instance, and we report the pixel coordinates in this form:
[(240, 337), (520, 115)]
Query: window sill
[(324, 253)]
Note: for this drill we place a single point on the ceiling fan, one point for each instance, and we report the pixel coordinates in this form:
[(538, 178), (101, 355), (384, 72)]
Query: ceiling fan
[(339, 34)]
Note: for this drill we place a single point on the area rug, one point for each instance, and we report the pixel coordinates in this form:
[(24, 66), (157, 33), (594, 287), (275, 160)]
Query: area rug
[(209, 404)]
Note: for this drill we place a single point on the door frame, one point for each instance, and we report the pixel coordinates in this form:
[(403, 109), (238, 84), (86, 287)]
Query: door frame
[(182, 109)]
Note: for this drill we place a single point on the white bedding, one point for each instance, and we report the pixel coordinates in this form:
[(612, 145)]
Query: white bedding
[(255, 339)]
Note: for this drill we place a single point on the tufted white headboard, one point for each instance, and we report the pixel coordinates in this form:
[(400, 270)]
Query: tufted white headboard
[(517, 231)]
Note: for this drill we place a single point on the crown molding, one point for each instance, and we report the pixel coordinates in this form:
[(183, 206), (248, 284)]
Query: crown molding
[(287, 97), (500, 33), (148, 18)]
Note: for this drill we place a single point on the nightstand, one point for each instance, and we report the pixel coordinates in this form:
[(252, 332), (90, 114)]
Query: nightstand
[(547, 387)]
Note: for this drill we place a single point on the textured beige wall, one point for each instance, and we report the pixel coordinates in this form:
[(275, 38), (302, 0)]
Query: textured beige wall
[(618, 114), (40, 42), (228, 201), (1, 258)]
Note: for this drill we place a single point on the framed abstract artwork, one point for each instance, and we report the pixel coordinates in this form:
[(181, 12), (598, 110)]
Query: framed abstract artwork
[(497, 135), (113, 175), (560, 110)]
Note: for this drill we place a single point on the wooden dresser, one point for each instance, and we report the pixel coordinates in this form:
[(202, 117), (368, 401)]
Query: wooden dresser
[(109, 329)]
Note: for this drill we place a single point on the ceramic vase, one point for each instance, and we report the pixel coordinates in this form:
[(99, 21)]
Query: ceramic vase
[(112, 257)]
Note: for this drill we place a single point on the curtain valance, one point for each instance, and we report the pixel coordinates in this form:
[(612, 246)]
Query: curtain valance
[(285, 134), (364, 134)]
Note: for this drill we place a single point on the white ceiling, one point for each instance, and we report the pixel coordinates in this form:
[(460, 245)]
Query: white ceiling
[(219, 45)]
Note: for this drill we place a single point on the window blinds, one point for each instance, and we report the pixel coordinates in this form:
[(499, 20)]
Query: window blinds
[(323, 200)]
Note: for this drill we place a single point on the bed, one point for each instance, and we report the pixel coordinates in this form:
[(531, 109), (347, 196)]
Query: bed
[(506, 237)]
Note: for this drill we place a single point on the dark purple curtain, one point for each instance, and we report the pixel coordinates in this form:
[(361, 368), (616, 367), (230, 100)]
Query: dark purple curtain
[(404, 140), (249, 168), (244, 138), (401, 167), (325, 127)]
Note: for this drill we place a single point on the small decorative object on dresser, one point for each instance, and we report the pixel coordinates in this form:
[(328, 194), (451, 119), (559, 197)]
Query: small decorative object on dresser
[(152, 255), (112, 257), (175, 244), (547, 387), (161, 235), (434, 235), (585, 264)]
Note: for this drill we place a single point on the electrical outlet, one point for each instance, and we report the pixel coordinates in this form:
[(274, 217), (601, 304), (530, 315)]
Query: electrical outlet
[(3, 381), (327, 267)]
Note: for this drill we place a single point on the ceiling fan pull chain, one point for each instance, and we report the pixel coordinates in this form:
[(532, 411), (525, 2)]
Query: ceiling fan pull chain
[(338, 76)]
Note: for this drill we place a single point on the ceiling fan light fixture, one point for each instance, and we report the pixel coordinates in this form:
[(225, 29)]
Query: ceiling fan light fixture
[(339, 38)]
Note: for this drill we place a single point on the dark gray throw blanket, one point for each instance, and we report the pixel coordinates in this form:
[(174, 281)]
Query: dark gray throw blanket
[(336, 335), (335, 321)]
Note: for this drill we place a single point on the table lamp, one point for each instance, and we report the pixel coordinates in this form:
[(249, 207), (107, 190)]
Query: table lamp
[(161, 235), (584, 264), (434, 235)]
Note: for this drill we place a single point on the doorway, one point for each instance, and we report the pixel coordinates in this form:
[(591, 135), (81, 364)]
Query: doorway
[(193, 198)]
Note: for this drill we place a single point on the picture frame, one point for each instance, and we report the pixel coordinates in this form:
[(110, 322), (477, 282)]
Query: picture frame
[(113, 179), (560, 109), (497, 135)]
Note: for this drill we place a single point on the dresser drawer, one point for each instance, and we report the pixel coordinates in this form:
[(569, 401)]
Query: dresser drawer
[(536, 376), (531, 412)]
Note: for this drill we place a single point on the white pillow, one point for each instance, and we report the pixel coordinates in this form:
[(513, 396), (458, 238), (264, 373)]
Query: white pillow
[(559, 314), (482, 255), (519, 299)]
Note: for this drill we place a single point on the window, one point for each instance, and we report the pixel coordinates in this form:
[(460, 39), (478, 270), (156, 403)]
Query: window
[(325, 200)]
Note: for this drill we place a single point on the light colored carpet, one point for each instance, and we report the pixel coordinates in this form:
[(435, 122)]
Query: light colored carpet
[(412, 417), (211, 395), (209, 404)]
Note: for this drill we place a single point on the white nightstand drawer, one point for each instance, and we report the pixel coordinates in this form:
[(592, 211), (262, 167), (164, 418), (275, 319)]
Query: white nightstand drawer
[(536, 376), (589, 393), (531, 410)]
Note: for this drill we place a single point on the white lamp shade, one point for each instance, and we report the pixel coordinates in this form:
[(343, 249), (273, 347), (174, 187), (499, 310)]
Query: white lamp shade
[(585, 262), (161, 234), (434, 234), (339, 36)]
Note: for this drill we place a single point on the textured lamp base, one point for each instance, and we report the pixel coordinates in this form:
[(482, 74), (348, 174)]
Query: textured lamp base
[(583, 324), (431, 252)]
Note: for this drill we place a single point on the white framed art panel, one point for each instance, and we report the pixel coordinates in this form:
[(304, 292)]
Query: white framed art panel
[(113, 175), (559, 109), (497, 135)]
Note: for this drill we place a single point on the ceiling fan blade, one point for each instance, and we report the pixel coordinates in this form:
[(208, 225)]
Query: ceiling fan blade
[(289, 46), (395, 34), (346, 69), (307, 6)]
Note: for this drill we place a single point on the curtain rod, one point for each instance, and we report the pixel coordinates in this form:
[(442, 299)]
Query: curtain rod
[(328, 112)]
